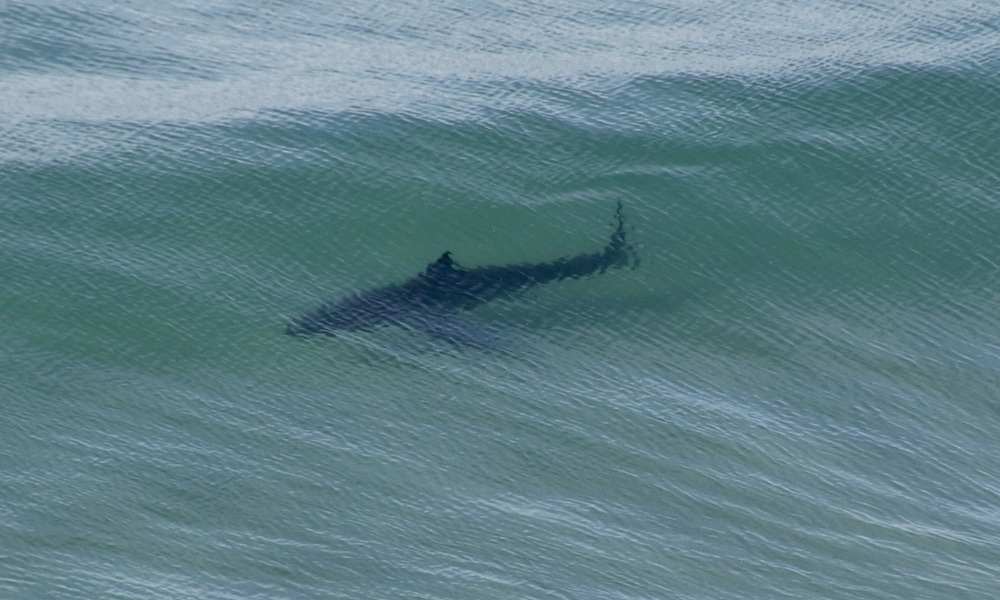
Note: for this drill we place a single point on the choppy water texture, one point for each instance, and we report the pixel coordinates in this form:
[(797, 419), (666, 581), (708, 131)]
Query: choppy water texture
[(794, 395)]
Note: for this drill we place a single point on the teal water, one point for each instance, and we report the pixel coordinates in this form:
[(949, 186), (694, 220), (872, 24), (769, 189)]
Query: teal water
[(794, 395)]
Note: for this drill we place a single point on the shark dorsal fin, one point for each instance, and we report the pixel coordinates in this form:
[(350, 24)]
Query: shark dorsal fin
[(445, 260), (441, 265)]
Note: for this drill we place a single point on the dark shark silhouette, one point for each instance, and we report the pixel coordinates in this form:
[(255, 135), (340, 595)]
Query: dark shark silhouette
[(445, 288)]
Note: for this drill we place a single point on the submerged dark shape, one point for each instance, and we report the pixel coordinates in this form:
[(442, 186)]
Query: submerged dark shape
[(445, 288)]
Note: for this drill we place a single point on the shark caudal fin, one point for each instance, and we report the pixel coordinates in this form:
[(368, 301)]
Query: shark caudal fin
[(620, 250)]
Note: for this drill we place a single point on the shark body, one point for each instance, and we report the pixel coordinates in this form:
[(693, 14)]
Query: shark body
[(445, 288)]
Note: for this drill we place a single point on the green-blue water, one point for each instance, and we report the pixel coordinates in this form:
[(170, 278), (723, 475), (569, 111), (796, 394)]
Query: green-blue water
[(794, 395)]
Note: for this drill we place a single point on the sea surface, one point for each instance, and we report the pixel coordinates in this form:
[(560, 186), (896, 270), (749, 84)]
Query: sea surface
[(794, 394)]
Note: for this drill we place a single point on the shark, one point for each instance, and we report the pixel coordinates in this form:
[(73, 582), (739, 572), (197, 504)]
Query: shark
[(446, 288)]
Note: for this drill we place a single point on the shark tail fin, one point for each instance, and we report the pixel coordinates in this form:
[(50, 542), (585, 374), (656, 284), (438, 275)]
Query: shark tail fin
[(620, 249)]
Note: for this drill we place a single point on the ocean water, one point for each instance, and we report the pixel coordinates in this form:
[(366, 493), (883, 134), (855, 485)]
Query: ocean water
[(793, 395)]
